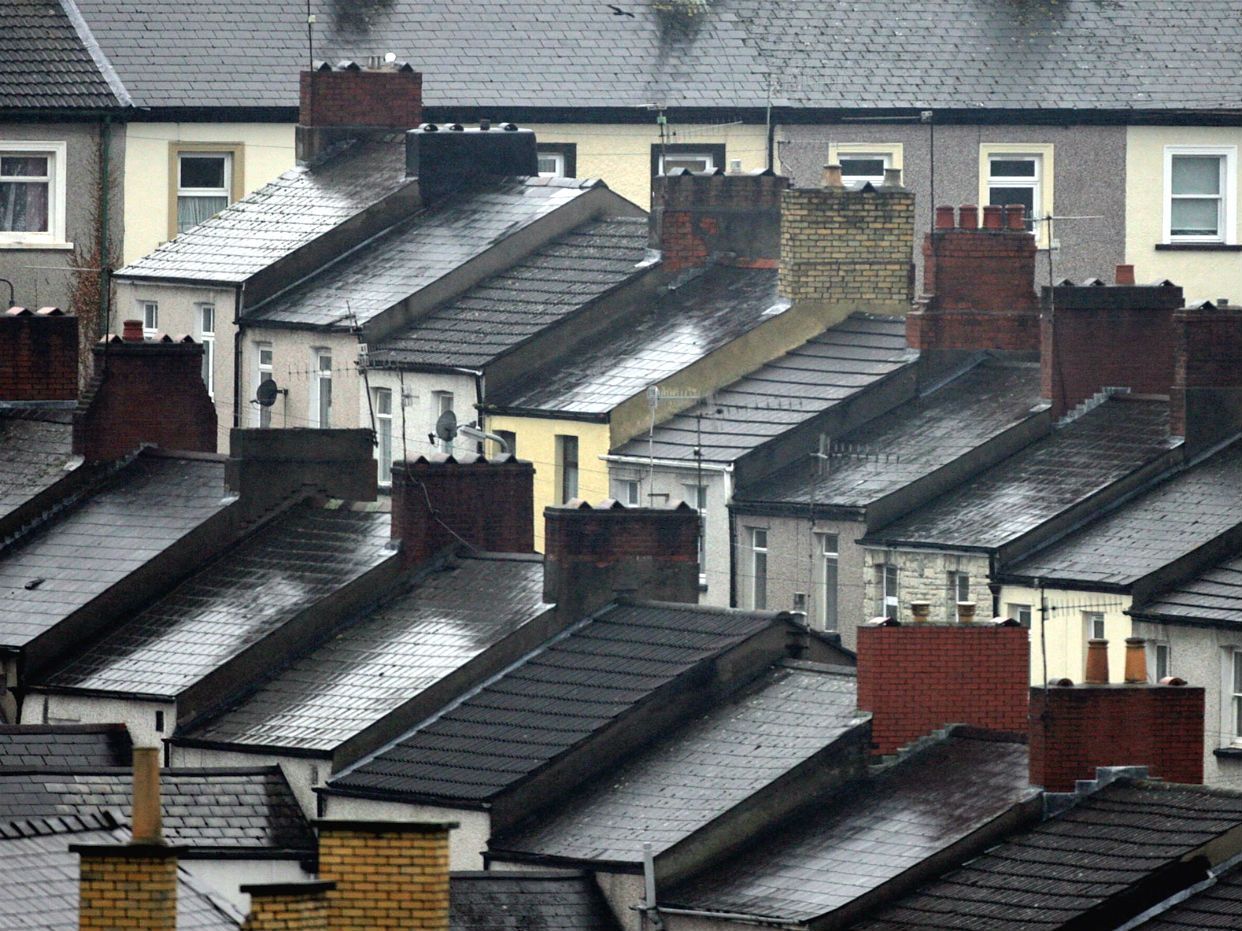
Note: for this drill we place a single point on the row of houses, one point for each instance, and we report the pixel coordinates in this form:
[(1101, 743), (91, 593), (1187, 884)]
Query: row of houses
[(1082, 111)]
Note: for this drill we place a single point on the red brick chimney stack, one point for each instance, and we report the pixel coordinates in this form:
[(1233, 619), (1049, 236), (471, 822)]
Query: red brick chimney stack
[(38, 355), (347, 101), (1206, 395)]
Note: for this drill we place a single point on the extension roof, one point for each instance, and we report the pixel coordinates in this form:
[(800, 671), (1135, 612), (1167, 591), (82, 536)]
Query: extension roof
[(248, 813), (47, 62), (866, 834), (41, 878), (1039, 482), (370, 668), (413, 254), (560, 694), (685, 325), (1110, 844), (1215, 594), (36, 448), (908, 443), (551, 901), (699, 771), (1216, 908), (548, 286), (1184, 512), (52, 746), (280, 217), (962, 55), (75, 555), (298, 559), (789, 391)]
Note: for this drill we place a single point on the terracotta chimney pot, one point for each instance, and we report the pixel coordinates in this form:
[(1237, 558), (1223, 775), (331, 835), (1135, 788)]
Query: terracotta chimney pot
[(1015, 217), (921, 611), (965, 612), (1125, 274), (147, 817), (969, 217), (992, 217), (832, 177), (1136, 660), (131, 331), (1097, 662), (944, 218)]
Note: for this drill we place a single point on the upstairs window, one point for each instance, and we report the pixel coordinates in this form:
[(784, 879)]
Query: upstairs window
[(669, 157), (32, 193), (959, 590), (696, 497), (886, 582), (207, 336), (1020, 613), (321, 390), (631, 492), (558, 160), (441, 404), (859, 167), (567, 467), (381, 403), (1015, 179), (759, 568), (263, 372), (829, 560), (1095, 624), (204, 181), (149, 313), (1235, 681), (1200, 204)]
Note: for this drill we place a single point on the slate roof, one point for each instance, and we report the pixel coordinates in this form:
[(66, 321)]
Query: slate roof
[(300, 558), (558, 695), (1216, 908), (497, 901), (214, 811), (45, 63), (908, 443), (1041, 481), (542, 289), (388, 656), (684, 326), (386, 270), (699, 771), (77, 555), (840, 362), (41, 880), (1110, 843), (1149, 532), (280, 217), (35, 448), (53, 746), (1213, 595), (867, 834)]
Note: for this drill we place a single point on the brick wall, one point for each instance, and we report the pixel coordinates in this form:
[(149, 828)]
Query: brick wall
[(978, 287), (387, 876), (1206, 395), (917, 678), (38, 356), (845, 245), (1094, 337), (437, 500), (145, 392), (127, 888), (288, 907), (695, 217), (1075, 729), (391, 98)]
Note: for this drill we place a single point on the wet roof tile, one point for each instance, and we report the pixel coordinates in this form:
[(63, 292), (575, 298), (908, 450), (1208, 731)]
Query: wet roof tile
[(297, 560), (64, 745), (35, 448), (45, 63), (1214, 909), (368, 669), (1213, 595), (500, 901)]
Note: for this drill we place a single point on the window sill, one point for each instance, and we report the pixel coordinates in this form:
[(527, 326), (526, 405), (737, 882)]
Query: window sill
[(1197, 247), (33, 246), (1228, 753)]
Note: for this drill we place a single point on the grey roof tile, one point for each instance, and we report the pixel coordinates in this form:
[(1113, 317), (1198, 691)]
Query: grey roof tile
[(699, 771), (35, 448), (146, 507), (867, 834), (64, 745), (44, 63), (368, 669), (1217, 908), (1213, 595), (499, 901), (787, 392), (561, 693)]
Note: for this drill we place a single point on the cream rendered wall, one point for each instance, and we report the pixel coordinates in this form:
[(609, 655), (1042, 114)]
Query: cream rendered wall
[(620, 153), (1066, 633), (418, 418), (293, 361), (466, 842), (138, 716), (267, 151), (303, 774), (1204, 275)]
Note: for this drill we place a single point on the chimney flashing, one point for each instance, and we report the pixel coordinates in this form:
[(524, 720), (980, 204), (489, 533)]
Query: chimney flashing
[(133, 851)]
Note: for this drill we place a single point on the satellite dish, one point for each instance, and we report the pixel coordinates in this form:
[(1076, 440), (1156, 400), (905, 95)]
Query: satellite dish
[(446, 426), (266, 393)]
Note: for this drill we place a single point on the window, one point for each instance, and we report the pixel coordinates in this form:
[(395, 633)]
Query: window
[(510, 439), (381, 404), (855, 169), (441, 404), (263, 372), (1020, 613), (1095, 624), (159, 722), (696, 497), (1200, 202), (759, 568), (1161, 660), (558, 160), (886, 581), (631, 493), (321, 390), (1236, 696), (829, 560), (149, 311), (706, 157), (207, 335), (204, 181), (959, 590), (865, 161), (567, 467), (32, 193), (1018, 173)]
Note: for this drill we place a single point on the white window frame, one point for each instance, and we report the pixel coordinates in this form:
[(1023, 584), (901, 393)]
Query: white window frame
[(262, 372), (829, 558), (441, 401), (383, 433), (1228, 154), (54, 236), (1233, 675), (631, 492), (558, 158), (890, 605), (149, 314), (885, 157), (1019, 612), (696, 497), (319, 375), (758, 568), (1044, 183), (1155, 649), (225, 191), (1090, 619), (207, 336), (959, 579), (707, 156)]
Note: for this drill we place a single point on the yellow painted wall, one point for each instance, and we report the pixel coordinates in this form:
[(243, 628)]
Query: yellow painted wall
[(536, 443), (1066, 632), (266, 152), (1204, 275), (620, 153)]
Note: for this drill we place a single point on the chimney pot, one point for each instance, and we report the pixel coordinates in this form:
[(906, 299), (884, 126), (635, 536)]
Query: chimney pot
[(970, 217), (1175, 681), (832, 177), (944, 218), (892, 177), (1125, 275), (965, 612), (147, 816), (1136, 660), (485, 125), (131, 331), (1015, 217), (992, 217), (921, 611), (1097, 662)]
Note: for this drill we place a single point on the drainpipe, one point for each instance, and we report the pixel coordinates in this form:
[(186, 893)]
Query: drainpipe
[(105, 220), (237, 353)]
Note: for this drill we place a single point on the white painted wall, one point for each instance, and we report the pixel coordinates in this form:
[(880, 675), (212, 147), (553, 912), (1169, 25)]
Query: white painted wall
[(138, 716), (418, 416), (303, 774), (466, 843), (225, 876)]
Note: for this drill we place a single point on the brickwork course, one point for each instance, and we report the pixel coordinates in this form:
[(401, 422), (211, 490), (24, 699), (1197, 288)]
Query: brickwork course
[(701, 216), (288, 911), (128, 889), (38, 356), (917, 678), (347, 97), (389, 877), (1206, 355), (845, 245)]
